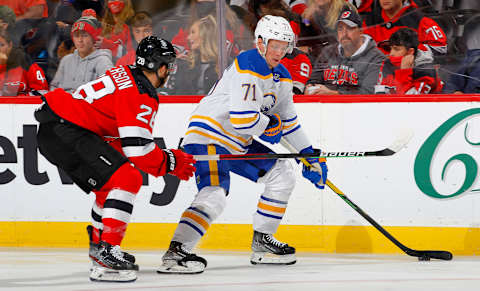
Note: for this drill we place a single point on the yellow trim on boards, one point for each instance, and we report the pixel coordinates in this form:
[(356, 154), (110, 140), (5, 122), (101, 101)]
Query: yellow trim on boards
[(230, 237)]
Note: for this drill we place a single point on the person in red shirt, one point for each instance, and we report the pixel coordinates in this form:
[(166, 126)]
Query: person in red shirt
[(18, 74), (299, 66), (101, 136), (397, 14), (115, 32), (409, 68), (27, 9), (141, 27)]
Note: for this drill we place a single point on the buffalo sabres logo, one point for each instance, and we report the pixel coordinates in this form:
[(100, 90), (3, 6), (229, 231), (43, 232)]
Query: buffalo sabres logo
[(346, 14), (269, 101), (276, 77)]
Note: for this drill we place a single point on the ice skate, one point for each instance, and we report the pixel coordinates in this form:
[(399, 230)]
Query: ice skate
[(109, 265), (267, 250), (94, 248), (179, 261)]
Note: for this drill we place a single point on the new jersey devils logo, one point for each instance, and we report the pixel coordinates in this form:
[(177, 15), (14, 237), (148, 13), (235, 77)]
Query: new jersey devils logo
[(346, 14)]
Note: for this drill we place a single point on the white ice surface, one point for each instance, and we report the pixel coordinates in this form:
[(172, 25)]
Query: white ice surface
[(65, 269)]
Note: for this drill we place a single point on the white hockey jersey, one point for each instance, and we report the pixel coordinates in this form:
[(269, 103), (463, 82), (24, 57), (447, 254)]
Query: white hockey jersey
[(237, 106)]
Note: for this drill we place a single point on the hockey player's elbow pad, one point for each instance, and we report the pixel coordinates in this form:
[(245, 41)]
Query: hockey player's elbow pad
[(273, 132), (180, 164)]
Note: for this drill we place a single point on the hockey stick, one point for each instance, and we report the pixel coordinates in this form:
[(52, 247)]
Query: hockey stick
[(397, 145), (423, 255)]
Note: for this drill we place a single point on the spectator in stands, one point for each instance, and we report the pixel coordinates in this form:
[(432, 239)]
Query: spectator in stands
[(18, 74), (66, 47), (197, 74), (467, 77), (116, 35), (141, 26), (397, 14), (409, 68), (319, 24), (7, 18), (87, 63), (296, 6), (27, 9), (353, 64), (236, 36)]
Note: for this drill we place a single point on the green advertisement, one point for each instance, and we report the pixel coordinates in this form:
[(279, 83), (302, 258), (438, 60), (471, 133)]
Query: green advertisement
[(426, 153)]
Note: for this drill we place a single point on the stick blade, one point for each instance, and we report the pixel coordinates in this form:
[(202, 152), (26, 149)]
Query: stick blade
[(427, 255), (403, 139)]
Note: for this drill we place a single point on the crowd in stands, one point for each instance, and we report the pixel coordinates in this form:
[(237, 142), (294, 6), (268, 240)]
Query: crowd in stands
[(343, 46)]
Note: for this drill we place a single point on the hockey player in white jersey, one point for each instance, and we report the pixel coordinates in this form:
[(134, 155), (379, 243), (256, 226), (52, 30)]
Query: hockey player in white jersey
[(253, 98)]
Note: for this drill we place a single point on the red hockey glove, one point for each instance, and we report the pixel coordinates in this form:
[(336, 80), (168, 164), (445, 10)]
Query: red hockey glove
[(180, 164)]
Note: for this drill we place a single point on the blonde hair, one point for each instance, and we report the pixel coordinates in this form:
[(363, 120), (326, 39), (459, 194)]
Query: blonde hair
[(208, 34), (334, 9), (109, 26)]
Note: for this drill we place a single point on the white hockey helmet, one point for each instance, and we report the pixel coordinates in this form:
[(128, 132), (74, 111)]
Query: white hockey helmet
[(275, 27)]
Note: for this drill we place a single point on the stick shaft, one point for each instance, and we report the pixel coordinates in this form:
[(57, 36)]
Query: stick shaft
[(273, 156), (443, 255)]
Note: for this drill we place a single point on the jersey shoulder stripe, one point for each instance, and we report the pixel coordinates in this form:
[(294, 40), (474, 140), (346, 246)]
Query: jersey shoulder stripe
[(251, 62), (282, 73)]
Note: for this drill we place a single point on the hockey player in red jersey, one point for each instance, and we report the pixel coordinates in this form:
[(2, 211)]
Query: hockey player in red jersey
[(397, 14), (100, 135), (409, 68)]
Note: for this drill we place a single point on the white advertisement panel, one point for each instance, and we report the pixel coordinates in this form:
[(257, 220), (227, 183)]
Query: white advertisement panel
[(432, 182)]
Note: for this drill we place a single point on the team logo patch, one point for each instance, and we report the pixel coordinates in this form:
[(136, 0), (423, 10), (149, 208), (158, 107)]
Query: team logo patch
[(346, 14), (276, 77)]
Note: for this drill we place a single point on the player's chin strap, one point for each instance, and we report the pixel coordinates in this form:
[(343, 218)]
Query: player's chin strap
[(259, 50)]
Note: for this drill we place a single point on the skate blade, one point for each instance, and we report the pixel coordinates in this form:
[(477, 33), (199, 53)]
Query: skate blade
[(272, 259), (174, 268), (101, 274)]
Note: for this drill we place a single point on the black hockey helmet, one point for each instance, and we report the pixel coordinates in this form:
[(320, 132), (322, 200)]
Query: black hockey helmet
[(154, 52)]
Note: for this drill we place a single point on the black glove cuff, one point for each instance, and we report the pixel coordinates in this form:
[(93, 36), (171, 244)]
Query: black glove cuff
[(170, 160)]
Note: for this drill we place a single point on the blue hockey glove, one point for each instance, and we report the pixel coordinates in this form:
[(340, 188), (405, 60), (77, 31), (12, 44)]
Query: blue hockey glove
[(273, 132), (317, 173)]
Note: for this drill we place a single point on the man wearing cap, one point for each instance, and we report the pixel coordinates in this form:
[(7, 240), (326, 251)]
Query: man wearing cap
[(352, 65), (86, 63)]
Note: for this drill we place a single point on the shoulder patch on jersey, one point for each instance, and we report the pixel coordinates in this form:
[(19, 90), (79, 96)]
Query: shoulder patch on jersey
[(280, 73), (251, 62)]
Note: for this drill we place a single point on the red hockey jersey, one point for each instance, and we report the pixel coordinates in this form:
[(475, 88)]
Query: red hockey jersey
[(20, 80), (380, 27), (418, 80), (299, 66), (121, 104)]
